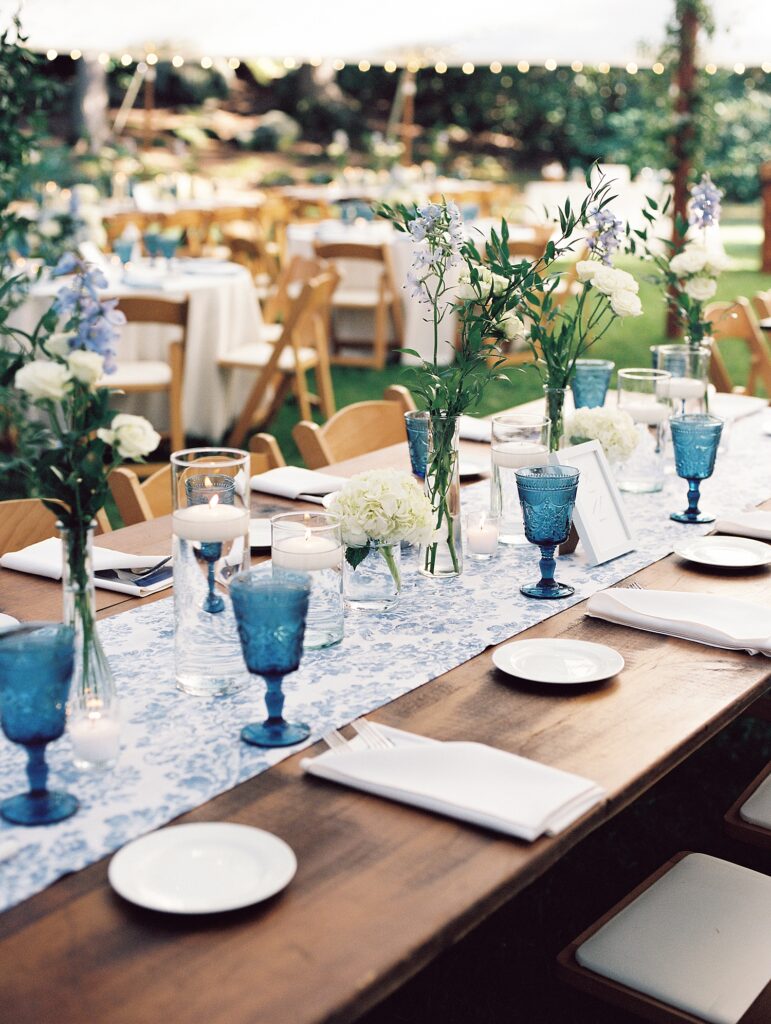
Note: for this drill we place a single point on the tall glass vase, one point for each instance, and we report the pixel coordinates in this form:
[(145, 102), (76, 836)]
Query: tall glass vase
[(92, 709), (442, 557), (555, 410)]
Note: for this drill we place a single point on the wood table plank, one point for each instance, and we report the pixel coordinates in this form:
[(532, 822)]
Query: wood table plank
[(381, 888)]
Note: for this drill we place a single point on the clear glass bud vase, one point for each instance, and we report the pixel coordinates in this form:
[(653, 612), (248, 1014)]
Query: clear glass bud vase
[(93, 721), (443, 556), (555, 410)]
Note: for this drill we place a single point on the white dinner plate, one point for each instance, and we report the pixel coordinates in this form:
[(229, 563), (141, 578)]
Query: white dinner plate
[(7, 620), (725, 551), (202, 868), (213, 268), (471, 467), (558, 661), (259, 533)]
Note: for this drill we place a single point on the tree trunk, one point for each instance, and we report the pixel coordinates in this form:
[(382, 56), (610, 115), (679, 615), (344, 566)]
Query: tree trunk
[(91, 104)]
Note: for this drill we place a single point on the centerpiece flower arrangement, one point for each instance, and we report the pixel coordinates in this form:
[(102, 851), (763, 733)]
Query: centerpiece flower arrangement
[(689, 269), (613, 428), (562, 331), (67, 440), (378, 510)]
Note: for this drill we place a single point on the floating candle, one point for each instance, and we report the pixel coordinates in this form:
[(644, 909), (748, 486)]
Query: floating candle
[(519, 454), (210, 523)]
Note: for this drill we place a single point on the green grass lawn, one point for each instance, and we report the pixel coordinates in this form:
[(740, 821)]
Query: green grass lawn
[(626, 343)]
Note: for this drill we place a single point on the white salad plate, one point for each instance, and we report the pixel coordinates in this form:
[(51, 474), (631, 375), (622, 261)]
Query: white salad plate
[(202, 868), (7, 620), (558, 661), (471, 467), (725, 552), (259, 533)]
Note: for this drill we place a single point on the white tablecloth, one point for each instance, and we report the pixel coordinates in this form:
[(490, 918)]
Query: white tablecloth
[(224, 312)]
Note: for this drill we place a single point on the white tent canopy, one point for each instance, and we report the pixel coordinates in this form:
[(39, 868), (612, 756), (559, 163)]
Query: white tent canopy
[(452, 31)]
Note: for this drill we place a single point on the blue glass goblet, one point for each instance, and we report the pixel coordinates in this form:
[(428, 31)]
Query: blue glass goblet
[(36, 662), (547, 495), (152, 242), (591, 378), (124, 249), (168, 247), (417, 441), (271, 625), (695, 437)]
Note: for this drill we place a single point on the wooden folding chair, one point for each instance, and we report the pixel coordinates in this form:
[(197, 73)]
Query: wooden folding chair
[(762, 303), (398, 393), (699, 927), (736, 321), (753, 823), (194, 227), (116, 224), (147, 375), (300, 347), (355, 430), (25, 521), (383, 299), (288, 286), (139, 501)]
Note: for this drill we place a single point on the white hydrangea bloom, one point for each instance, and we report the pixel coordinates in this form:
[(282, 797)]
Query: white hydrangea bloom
[(613, 428), (385, 505)]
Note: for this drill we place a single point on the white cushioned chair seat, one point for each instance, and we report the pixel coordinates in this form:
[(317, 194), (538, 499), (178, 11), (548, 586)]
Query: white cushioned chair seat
[(270, 333), (699, 939), (356, 297), (757, 809), (258, 354), (142, 373)]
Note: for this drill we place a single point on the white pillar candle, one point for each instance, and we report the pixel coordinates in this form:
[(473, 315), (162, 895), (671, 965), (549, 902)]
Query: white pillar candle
[(683, 388), (304, 552), (95, 738), (210, 523), (481, 536), (650, 413), (519, 454)]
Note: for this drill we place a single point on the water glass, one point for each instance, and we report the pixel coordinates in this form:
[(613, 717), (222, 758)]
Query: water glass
[(689, 367), (591, 378), (307, 548), (372, 577), (695, 438), (417, 423), (518, 440), (548, 494), (643, 394), (210, 527), (36, 662), (271, 619)]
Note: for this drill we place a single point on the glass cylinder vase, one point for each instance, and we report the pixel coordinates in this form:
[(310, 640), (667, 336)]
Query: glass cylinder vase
[(372, 576), (93, 713), (442, 557), (556, 399), (643, 393), (210, 529)]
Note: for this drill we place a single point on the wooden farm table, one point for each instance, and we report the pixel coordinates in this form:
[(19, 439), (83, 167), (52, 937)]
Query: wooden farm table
[(381, 888)]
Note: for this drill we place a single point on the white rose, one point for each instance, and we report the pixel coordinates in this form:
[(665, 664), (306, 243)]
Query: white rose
[(465, 289), (625, 303), (691, 260), (59, 344), (43, 379), (716, 263), (700, 288), (85, 366), (609, 280), (49, 229), (625, 282), (500, 284), (512, 326), (586, 269), (132, 436)]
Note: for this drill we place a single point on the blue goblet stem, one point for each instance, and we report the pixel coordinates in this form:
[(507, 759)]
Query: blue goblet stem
[(274, 699), (37, 769), (211, 551), (548, 565), (693, 498)]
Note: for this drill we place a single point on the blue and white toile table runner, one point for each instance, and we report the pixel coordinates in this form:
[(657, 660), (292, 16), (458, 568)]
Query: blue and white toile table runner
[(180, 751)]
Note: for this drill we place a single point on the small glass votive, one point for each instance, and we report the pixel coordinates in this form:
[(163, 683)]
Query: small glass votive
[(201, 488), (417, 422), (518, 440), (591, 378), (307, 548), (689, 367), (480, 530)]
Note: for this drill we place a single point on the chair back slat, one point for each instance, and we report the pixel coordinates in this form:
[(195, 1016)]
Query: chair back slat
[(355, 430), (24, 521)]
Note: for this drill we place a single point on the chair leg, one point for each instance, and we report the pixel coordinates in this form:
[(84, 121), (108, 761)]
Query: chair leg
[(324, 377), (381, 334), (303, 396), (176, 427), (244, 422), (281, 385)]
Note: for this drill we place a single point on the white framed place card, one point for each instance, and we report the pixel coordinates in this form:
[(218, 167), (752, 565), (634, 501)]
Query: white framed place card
[(599, 516)]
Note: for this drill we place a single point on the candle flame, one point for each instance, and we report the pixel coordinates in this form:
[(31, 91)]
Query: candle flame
[(207, 481), (214, 501), (482, 521), (307, 536)]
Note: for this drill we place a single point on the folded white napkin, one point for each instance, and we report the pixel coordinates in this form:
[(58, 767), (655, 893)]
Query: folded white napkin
[(755, 524), (297, 484), (707, 619), (147, 277), (468, 781), (735, 407), (45, 559), (473, 429)]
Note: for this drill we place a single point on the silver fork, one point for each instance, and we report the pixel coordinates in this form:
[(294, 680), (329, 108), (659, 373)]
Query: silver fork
[(373, 739), (335, 740), (634, 586)]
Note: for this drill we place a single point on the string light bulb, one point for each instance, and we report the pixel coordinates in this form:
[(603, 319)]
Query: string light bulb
[(550, 64), (711, 69), (206, 63), (125, 59), (467, 68), (440, 67), (177, 60), (338, 64), (631, 68), (104, 59), (496, 67), (75, 54), (766, 68), (603, 67), (289, 63), (151, 59), (234, 63), (658, 68), (739, 68), (52, 54), (364, 65), (523, 67), (389, 66), (577, 66)]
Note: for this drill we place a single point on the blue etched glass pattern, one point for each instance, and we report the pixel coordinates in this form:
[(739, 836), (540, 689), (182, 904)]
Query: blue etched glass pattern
[(417, 441), (36, 662), (695, 438), (547, 495), (591, 378)]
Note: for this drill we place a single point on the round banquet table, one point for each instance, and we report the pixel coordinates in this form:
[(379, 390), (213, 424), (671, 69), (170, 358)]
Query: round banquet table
[(224, 312)]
